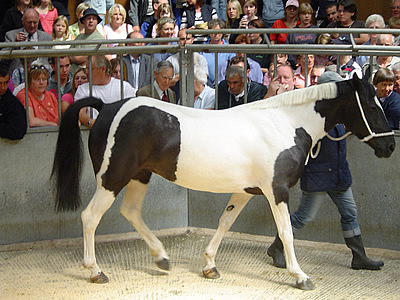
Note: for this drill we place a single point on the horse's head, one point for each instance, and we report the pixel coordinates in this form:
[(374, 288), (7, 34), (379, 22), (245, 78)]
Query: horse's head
[(367, 120)]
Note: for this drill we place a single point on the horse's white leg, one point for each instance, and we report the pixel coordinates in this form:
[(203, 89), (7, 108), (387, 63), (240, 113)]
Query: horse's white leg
[(282, 220), (131, 208), (91, 216), (232, 210)]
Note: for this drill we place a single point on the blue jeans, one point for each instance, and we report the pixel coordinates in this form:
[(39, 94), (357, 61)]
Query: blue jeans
[(344, 201)]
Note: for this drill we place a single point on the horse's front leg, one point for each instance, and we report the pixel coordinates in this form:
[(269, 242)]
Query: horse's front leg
[(282, 220), (91, 216), (131, 208), (232, 210)]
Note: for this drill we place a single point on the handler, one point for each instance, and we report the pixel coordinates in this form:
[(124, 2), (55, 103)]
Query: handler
[(328, 173)]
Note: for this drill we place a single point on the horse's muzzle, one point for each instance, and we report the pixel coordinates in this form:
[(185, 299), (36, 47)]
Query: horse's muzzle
[(386, 150)]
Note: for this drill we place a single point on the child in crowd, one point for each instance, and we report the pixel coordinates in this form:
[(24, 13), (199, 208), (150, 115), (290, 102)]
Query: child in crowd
[(79, 77), (47, 14), (116, 69), (60, 31)]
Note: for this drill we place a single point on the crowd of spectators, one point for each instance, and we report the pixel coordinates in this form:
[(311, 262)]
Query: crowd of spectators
[(41, 20)]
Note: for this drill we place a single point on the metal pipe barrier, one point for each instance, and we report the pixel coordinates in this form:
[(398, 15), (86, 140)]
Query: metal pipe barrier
[(13, 51)]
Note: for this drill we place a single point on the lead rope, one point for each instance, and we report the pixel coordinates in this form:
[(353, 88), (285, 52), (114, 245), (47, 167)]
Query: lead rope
[(365, 139)]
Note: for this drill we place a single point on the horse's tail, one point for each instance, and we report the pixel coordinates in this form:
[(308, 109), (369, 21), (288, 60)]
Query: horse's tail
[(67, 166)]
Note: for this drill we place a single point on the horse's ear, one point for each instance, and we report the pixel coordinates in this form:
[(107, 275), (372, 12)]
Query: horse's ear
[(356, 80)]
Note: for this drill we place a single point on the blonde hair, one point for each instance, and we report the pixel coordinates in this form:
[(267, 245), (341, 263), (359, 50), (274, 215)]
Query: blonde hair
[(80, 8), (161, 22), (305, 8), (238, 6), (394, 23), (30, 5), (50, 6), (324, 39), (121, 10), (62, 18)]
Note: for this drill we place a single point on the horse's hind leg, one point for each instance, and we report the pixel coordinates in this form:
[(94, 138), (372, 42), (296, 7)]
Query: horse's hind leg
[(232, 210), (91, 216), (131, 208)]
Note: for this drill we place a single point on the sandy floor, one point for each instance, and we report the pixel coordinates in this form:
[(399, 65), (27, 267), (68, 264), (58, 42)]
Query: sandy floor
[(53, 270)]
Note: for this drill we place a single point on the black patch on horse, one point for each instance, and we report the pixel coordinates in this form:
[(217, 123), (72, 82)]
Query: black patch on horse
[(289, 165), (253, 191), (147, 140), (99, 132)]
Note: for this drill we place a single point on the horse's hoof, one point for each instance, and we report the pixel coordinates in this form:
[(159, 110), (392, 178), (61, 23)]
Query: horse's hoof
[(99, 278), (163, 264), (305, 285), (211, 273)]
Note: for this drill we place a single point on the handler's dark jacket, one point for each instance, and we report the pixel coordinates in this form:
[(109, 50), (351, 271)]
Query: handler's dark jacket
[(13, 122), (330, 169)]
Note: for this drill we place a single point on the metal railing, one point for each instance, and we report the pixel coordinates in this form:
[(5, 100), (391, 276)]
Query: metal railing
[(12, 51)]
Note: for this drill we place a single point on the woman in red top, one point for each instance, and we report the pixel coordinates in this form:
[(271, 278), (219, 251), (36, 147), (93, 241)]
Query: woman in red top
[(43, 105), (289, 21)]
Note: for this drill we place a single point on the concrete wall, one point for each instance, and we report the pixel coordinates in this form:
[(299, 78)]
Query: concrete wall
[(27, 203)]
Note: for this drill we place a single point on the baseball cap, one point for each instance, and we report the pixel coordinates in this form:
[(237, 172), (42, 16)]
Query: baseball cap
[(292, 3), (329, 76)]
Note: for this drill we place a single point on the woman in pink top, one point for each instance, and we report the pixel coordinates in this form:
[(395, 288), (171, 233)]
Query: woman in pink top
[(43, 105), (47, 14), (290, 20), (116, 28)]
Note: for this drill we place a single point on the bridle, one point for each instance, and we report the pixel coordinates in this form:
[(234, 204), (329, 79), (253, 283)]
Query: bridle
[(371, 135)]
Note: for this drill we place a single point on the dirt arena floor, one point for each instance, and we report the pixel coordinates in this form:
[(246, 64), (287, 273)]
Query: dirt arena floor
[(53, 270)]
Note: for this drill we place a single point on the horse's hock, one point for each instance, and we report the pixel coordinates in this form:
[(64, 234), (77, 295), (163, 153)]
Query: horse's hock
[(246, 270)]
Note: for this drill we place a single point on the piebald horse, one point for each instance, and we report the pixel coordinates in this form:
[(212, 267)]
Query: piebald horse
[(256, 148)]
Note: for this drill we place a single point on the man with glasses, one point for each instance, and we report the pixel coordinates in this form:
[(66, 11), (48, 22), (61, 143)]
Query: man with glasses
[(163, 75), (369, 69), (28, 33), (396, 8), (347, 12), (198, 59)]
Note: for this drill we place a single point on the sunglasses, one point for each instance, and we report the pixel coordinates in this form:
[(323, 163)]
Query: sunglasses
[(38, 67), (395, 7)]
